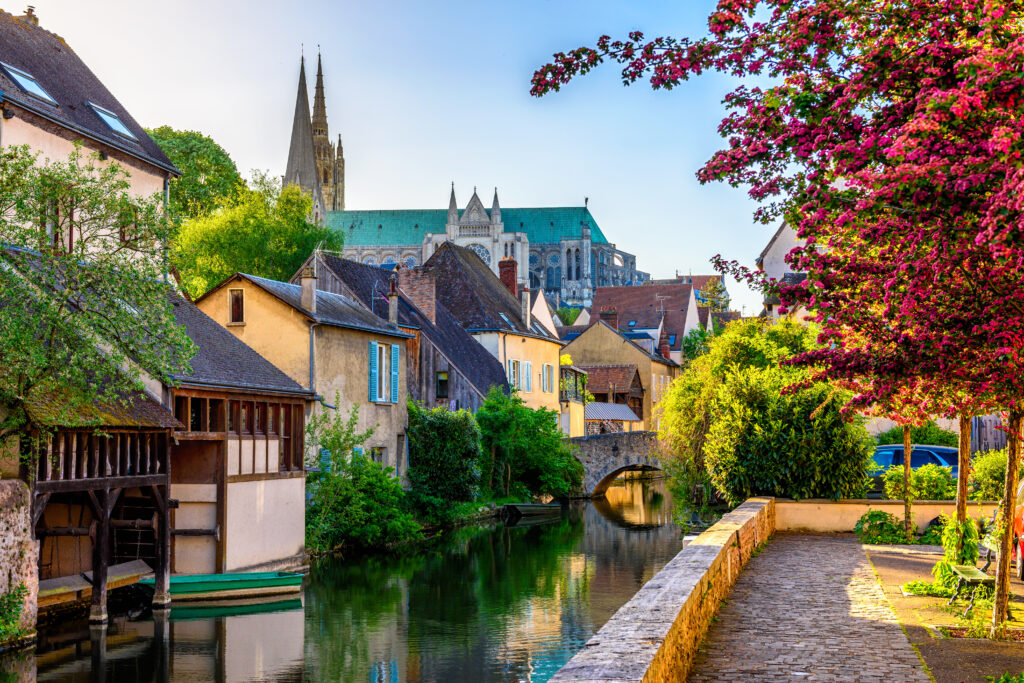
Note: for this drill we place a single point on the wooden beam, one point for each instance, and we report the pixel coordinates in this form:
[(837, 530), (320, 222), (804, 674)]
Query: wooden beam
[(162, 571), (101, 483), (100, 556)]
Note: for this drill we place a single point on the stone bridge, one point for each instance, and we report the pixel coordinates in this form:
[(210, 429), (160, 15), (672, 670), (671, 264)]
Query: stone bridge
[(606, 456)]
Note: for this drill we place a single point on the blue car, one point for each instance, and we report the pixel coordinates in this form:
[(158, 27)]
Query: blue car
[(920, 455)]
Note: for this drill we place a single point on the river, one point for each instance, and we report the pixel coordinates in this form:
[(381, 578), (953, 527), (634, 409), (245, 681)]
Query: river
[(485, 603)]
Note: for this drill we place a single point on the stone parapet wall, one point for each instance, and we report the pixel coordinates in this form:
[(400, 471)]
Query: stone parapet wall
[(655, 636), (19, 553), (842, 515)]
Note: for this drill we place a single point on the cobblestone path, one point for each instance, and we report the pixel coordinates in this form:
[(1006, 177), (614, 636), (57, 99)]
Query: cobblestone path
[(808, 608)]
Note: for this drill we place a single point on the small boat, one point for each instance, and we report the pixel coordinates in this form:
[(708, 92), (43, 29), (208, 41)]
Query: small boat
[(232, 585), (214, 609), (515, 511)]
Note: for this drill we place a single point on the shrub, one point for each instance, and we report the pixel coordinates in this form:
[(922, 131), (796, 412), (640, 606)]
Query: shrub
[(952, 533), (935, 590), (878, 526), (444, 460), (988, 475), (11, 604), (928, 433), (929, 482)]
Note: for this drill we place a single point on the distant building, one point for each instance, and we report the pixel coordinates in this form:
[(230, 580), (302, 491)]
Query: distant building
[(652, 315), (772, 262), (617, 383)]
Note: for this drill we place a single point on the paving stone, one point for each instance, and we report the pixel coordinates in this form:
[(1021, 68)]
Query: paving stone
[(808, 608)]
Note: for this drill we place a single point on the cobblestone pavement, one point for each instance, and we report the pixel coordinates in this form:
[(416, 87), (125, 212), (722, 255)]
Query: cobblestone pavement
[(808, 608)]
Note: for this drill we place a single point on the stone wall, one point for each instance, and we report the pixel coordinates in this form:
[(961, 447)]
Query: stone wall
[(19, 553), (842, 515), (655, 636), (604, 455)]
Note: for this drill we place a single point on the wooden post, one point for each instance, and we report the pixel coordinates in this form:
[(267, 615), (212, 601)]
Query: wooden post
[(162, 571), (98, 651), (100, 557), (1002, 597), (161, 646), (906, 480), (963, 465)]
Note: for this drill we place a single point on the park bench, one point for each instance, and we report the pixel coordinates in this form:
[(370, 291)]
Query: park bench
[(968, 575)]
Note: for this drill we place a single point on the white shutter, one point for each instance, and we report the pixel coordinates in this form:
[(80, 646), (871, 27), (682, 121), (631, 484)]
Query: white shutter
[(528, 375)]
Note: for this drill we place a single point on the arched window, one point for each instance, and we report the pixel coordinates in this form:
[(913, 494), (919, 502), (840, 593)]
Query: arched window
[(568, 264), (551, 282), (577, 269)]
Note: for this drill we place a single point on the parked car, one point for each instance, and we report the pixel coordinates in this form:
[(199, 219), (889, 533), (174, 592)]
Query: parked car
[(1018, 532), (920, 455)]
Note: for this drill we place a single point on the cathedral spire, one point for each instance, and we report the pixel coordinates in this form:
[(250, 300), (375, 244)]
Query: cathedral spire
[(495, 209), (301, 167), (319, 102), (453, 208)]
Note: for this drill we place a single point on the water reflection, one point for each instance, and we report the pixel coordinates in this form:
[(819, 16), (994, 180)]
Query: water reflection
[(485, 604)]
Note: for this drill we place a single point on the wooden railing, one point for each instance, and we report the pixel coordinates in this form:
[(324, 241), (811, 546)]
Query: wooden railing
[(78, 460)]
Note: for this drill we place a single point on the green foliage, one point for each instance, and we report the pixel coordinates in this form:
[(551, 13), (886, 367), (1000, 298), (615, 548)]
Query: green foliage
[(524, 452), (81, 323), (714, 296), (262, 230), (358, 503), (568, 314), (695, 343), (928, 433), (880, 527), (954, 534), (1007, 678), (929, 482), (208, 175), (11, 604), (927, 588), (988, 475), (931, 536), (444, 461)]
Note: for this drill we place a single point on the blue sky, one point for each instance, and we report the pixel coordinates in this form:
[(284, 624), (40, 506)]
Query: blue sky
[(426, 93)]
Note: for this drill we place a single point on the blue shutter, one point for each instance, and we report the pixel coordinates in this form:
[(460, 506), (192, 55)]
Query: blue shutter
[(325, 460), (394, 373), (373, 371), (358, 450)]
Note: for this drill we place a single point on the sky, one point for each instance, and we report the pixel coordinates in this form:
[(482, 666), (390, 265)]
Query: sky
[(429, 93)]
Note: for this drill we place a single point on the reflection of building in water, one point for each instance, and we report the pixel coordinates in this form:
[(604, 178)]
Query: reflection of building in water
[(642, 501)]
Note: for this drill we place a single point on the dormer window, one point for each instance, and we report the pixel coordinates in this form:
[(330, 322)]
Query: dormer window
[(113, 122), (28, 83)]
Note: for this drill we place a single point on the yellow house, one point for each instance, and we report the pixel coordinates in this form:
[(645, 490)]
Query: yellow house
[(600, 344), (499, 317), (572, 388), (328, 343)]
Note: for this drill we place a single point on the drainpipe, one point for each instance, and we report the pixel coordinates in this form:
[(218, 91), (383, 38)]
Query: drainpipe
[(312, 356), (167, 208)]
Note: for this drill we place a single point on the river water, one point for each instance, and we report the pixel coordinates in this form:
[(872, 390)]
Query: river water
[(491, 603)]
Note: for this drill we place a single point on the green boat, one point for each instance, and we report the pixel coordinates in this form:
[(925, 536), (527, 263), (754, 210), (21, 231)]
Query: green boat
[(230, 586)]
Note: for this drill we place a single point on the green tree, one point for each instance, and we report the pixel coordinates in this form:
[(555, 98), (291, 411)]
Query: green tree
[(262, 230), (731, 422), (695, 343), (928, 433), (714, 296), (444, 459), (568, 314), (525, 453), (85, 308), (208, 175)]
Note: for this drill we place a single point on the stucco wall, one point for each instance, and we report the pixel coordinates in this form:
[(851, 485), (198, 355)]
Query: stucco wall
[(842, 515), (572, 421), (197, 509), (18, 552), (536, 351), (277, 507)]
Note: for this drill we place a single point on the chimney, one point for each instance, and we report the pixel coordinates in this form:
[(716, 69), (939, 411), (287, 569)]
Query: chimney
[(527, 313), (610, 315), (663, 346), (507, 268), (308, 282), (30, 16), (393, 303), (420, 286)]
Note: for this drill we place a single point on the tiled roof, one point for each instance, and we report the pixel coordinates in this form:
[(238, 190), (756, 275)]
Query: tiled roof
[(542, 225), (601, 377), (222, 359), (474, 294), (138, 410), (723, 317), (609, 411), (569, 332), (644, 304), (331, 309), (65, 77), (371, 284), (702, 316)]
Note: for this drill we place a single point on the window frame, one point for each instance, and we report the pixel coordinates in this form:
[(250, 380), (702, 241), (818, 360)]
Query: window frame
[(383, 373), (232, 298), (438, 379), (105, 115), (16, 75)]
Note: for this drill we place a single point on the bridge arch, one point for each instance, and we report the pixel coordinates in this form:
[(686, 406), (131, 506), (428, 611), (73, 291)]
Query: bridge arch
[(606, 456)]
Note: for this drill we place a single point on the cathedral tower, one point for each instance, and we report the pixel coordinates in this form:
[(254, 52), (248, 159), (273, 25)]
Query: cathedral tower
[(301, 169), (330, 160)]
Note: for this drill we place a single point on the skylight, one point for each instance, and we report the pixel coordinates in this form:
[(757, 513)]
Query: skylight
[(507, 321), (28, 83), (113, 122), (632, 323)]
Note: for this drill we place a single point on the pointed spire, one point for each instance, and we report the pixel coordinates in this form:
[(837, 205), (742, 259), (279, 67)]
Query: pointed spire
[(453, 208), (495, 208), (301, 167), (319, 102)]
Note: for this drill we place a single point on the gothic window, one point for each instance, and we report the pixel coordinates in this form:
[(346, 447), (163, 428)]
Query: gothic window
[(534, 259), (553, 258), (370, 261), (568, 264), (410, 262), (506, 249), (389, 260), (551, 282), (576, 270), (481, 251)]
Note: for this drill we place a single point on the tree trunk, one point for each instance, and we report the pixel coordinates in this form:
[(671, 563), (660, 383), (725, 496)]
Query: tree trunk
[(906, 481), (1006, 521), (964, 464)]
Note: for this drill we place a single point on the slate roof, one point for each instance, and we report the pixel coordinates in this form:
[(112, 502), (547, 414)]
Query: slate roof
[(475, 295), (601, 377), (570, 332), (788, 280), (723, 317), (764, 252), (371, 285), (336, 310), (224, 360), (703, 314), (609, 411), (542, 225), (138, 411), (65, 77), (655, 356), (644, 304)]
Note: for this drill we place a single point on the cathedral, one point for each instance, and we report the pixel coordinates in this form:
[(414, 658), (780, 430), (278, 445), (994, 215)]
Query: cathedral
[(560, 250), (314, 163)]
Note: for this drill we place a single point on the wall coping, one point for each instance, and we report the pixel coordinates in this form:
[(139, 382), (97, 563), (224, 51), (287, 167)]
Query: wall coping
[(878, 501)]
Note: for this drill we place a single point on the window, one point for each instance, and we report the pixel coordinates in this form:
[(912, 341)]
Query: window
[(382, 374), (513, 374), (28, 84), (378, 453), (547, 378), (237, 305), (113, 122), (442, 385)]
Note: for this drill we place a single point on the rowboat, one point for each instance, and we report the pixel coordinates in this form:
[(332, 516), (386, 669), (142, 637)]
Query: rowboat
[(232, 585), (516, 511)]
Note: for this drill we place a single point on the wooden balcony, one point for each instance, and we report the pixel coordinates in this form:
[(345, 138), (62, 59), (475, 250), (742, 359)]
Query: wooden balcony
[(82, 460)]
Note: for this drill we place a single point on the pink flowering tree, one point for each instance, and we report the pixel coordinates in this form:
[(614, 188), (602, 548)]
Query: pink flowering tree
[(889, 134)]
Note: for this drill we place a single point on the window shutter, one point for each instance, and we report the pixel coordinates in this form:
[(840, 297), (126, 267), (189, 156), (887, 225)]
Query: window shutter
[(509, 371), (325, 460), (528, 376), (373, 371), (394, 373)]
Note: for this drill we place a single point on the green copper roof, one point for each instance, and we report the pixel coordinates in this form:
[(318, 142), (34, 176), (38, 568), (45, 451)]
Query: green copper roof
[(544, 225)]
